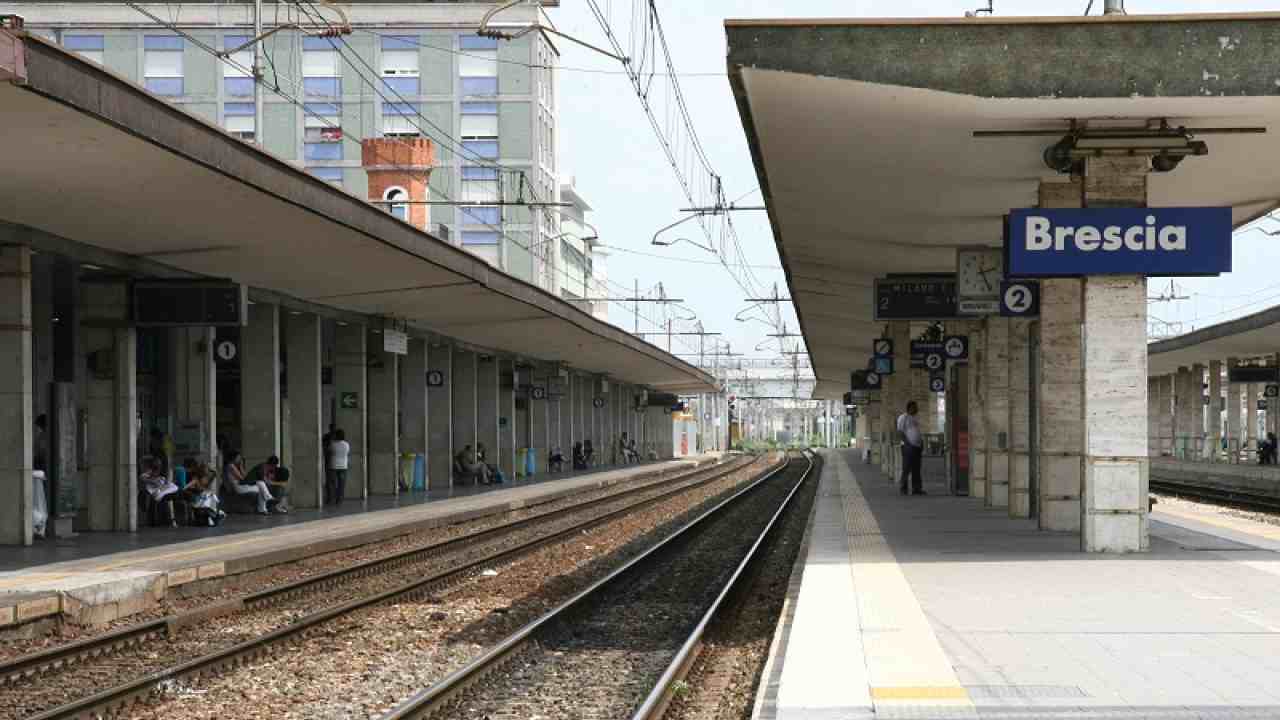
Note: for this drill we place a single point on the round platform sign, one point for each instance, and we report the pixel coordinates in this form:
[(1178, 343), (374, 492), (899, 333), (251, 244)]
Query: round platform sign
[(873, 378), (598, 402), (956, 347), (934, 361), (539, 392), (225, 350), (435, 378), (937, 385)]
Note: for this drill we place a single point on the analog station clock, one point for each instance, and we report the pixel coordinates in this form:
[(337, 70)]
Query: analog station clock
[(978, 275)]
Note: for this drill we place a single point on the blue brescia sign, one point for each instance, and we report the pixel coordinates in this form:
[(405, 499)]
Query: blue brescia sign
[(1119, 241)]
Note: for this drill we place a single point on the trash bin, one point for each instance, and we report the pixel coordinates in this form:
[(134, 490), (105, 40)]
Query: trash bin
[(420, 472), (522, 456), (531, 462), (406, 470), (39, 508)]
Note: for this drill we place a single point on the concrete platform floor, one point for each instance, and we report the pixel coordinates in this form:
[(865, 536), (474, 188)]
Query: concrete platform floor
[(935, 607), (99, 577)]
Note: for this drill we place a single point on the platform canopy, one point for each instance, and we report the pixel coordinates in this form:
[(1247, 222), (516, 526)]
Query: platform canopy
[(1250, 337), (91, 158), (862, 135)]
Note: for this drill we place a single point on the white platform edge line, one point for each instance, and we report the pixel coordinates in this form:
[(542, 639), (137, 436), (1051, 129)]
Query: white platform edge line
[(771, 675), (1204, 528)]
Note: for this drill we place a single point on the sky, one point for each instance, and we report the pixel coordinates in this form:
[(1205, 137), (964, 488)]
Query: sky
[(607, 146)]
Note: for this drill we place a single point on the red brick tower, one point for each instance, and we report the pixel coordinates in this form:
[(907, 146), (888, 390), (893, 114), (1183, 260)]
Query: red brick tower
[(400, 164)]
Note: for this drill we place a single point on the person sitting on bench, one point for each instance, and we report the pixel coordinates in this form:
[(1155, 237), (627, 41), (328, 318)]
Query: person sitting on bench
[(465, 466), (555, 463), (579, 457), (276, 476)]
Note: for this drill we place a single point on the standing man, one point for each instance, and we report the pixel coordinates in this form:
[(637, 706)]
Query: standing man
[(912, 449)]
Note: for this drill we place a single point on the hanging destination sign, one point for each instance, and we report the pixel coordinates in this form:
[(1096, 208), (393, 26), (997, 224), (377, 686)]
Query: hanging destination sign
[(916, 298)]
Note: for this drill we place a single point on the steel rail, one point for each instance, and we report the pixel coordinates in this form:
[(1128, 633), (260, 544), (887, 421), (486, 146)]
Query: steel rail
[(426, 702), (111, 700), (57, 658), (655, 705), (1245, 500)]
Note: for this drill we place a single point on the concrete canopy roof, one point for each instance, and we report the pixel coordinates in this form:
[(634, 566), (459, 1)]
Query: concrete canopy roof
[(94, 159), (1252, 336), (861, 132)]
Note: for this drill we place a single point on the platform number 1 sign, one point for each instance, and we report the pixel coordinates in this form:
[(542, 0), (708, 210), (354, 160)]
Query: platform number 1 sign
[(1020, 298)]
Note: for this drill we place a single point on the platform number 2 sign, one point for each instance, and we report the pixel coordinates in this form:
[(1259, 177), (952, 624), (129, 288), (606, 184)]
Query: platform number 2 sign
[(1020, 298)]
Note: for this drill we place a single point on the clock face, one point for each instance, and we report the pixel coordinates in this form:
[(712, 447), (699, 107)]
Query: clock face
[(979, 272)]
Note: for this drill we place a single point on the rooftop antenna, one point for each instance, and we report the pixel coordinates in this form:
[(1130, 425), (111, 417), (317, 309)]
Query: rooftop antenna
[(989, 10)]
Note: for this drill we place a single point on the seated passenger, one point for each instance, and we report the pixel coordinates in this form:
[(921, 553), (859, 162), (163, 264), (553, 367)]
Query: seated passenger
[(202, 495), (155, 484), (579, 457), (234, 480), (276, 476), (631, 448), (493, 473), (555, 462), (466, 466), (589, 453)]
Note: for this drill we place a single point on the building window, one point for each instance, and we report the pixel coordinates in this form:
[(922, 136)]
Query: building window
[(400, 120), (331, 175), (321, 68), (478, 65), (162, 64), (395, 197), (480, 185), (484, 149), (89, 47), (237, 82), (322, 138), (477, 237), (479, 120), (400, 57), (239, 120)]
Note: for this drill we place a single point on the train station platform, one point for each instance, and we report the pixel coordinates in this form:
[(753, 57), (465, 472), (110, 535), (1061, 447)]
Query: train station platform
[(934, 607), (99, 577)]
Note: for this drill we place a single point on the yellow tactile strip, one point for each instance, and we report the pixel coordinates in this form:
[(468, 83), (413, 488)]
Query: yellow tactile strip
[(905, 661)]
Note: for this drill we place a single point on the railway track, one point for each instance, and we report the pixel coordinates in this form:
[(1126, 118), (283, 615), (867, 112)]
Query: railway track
[(1244, 501), (30, 681), (620, 648)]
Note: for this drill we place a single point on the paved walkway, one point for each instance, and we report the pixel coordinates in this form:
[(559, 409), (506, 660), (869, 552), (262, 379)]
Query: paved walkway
[(98, 587), (935, 607)]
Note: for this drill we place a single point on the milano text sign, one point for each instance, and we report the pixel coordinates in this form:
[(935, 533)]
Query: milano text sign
[(1119, 241)]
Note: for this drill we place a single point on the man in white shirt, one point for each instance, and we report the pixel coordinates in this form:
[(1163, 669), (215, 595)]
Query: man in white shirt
[(912, 450), (339, 458)]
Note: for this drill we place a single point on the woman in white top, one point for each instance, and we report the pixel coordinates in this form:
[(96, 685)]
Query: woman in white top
[(233, 478), (339, 457)]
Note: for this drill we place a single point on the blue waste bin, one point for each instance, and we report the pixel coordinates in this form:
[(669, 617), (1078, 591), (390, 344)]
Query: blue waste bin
[(420, 472), (531, 462)]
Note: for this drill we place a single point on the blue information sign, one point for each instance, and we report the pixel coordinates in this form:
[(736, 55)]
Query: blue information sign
[(1119, 241)]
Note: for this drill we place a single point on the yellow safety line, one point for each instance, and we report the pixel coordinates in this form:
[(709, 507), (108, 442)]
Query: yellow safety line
[(1270, 532), (920, 693)]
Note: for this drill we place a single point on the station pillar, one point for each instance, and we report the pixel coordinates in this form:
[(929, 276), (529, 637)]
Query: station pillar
[(1214, 409), (350, 380), (1234, 411), (977, 409), (466, 400), (563, 407), (383, 378), (1020, 501), (306, 411), (1273, 404), (506, 426), (995, 369), (1251, 416), (413, 399), (440, 420), (1164, 394), (1181, 412), (111, 405), (194, 388), (16, 394), (1197, 450), (1115, 496), (260, 384), (541, 429)]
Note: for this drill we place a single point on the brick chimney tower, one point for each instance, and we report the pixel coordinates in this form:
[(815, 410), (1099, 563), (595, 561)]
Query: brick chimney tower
[(399, 169)]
